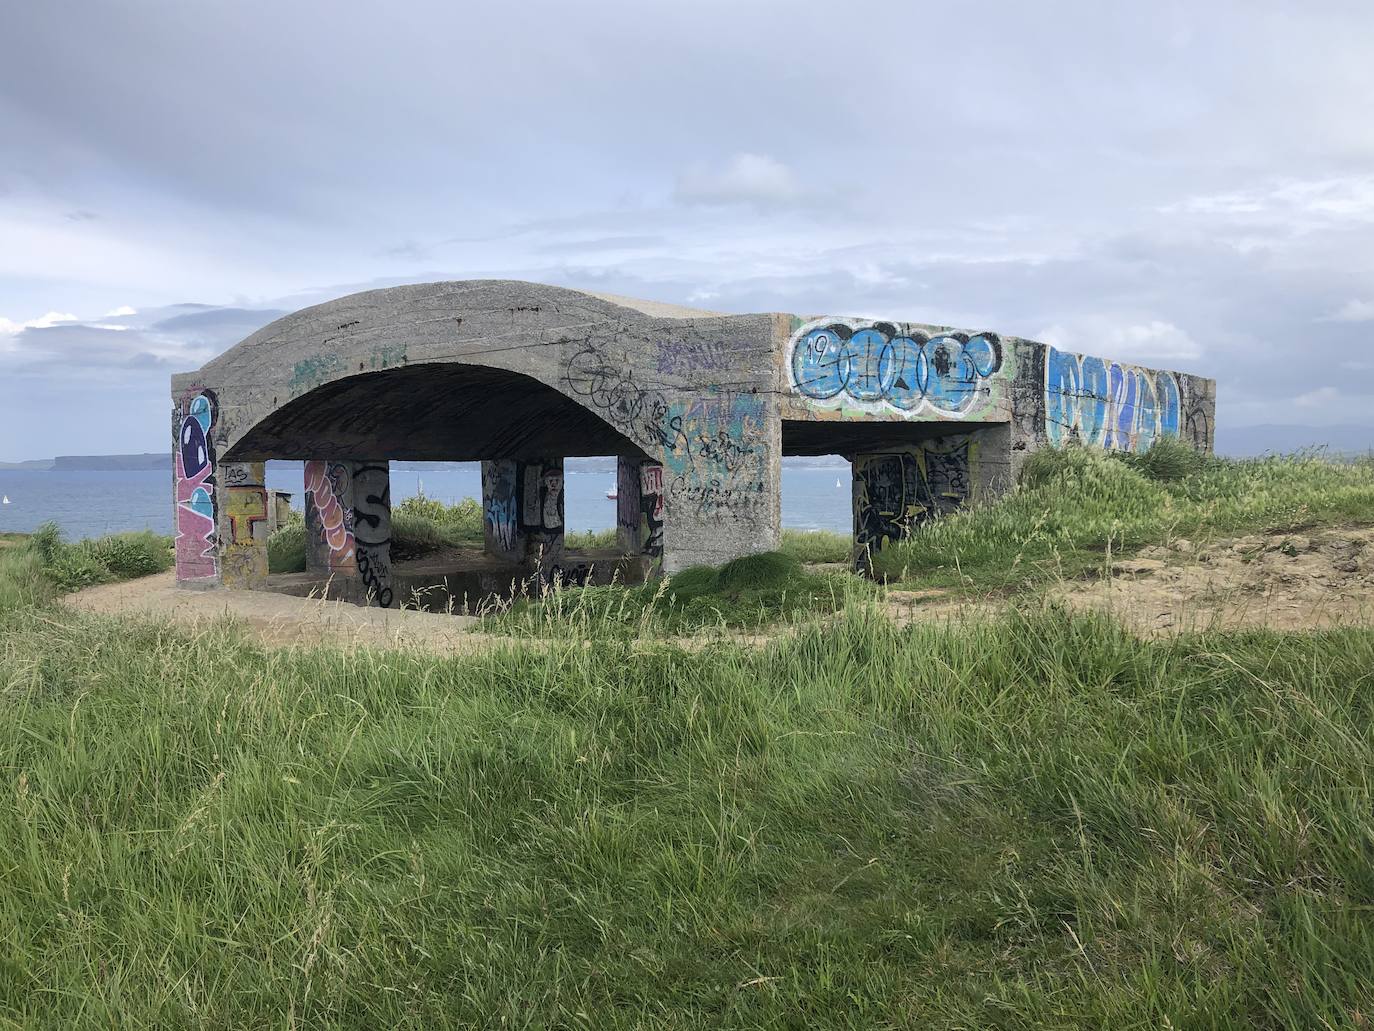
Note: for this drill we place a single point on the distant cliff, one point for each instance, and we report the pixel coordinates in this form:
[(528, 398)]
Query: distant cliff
[(68, 463)]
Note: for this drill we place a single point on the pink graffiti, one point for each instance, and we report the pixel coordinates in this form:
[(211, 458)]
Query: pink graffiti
[(651, 479), (333, 523), (193, 462)]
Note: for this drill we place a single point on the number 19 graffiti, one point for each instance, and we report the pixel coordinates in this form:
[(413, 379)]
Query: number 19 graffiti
[(874, 363)]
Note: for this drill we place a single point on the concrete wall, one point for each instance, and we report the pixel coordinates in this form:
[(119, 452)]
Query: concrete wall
[(510, 372)]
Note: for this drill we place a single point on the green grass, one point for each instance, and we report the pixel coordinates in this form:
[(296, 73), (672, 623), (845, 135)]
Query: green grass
[(818, 545), (36, 567), (1073, 504), (1038, 823), (420, 526), (286, 547), (747, 593)]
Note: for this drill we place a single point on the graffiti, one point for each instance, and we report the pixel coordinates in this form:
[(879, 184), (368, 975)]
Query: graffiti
[(895, 492), (309, 373), (720, 469), (541, 496), (329, 516), (878, 364), (193, 459), (246, 509), (651, 508), (244, 525), (1118, 407), (680, 358), (1197, 427), (498, 505), (372, 530), (642, 415)]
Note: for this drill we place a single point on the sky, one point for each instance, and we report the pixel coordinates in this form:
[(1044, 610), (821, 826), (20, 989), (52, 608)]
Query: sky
[(1186, 185)]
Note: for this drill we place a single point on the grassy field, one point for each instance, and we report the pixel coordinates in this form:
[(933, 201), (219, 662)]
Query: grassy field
[(1075, 506), (1039, 821)]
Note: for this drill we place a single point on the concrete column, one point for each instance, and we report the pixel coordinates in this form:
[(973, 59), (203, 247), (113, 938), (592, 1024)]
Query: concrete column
[(195, 488), (639, 509), (372, 530), (522, 511), (722, 470), (243, 526), (330, 548)]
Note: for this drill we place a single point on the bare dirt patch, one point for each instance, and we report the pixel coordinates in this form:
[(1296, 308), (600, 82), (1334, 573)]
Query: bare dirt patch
[(1299, 581), (280, 620)]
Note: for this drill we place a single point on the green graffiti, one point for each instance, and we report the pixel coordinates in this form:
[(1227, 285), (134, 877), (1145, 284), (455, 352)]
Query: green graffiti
[(386, 357), (309, 373)]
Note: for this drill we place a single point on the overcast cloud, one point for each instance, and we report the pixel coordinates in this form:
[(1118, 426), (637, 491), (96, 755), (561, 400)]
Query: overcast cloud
[(1188, 184)]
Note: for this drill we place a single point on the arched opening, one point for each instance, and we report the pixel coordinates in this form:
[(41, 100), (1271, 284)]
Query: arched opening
[(512, 431), (432, 412)]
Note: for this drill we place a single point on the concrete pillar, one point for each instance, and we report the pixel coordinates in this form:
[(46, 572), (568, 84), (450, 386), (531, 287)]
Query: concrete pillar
[(522, 511), (722, 471), (372, 530), (280, 508), (195, 488), (330, 549), (243, 524), (639, 510)]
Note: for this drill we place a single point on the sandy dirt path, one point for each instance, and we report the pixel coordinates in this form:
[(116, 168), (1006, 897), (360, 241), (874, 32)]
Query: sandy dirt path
[(282, 620)]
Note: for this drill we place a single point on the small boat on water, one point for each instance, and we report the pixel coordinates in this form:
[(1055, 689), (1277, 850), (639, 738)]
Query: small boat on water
[(838, 483), (612, 494), (5, 499)]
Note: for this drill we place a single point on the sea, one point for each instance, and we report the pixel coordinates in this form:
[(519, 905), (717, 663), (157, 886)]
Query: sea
[(92, 503)]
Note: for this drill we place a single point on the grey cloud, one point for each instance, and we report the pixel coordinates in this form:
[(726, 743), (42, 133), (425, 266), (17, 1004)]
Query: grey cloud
[(1178, 176)]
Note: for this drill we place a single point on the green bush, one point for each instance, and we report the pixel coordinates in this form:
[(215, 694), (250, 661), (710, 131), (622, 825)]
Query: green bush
[(131, 555), (286, 547), (414, 535), (590, 540), (770, 569), (458, 524), (67, 567), (1166, 460)]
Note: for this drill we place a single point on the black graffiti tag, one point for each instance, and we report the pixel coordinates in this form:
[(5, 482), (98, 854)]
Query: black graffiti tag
[(372, 530), (641, 414)]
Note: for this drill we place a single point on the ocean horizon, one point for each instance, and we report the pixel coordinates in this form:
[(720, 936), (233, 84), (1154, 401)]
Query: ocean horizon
[(91, 503)]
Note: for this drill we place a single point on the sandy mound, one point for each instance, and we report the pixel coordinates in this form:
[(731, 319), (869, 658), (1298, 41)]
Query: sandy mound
[(1280, 581)]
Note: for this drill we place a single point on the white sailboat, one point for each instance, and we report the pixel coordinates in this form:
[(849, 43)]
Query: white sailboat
[(4, 500), (613, 493)]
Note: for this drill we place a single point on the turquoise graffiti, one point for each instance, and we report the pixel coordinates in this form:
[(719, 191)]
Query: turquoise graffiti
[(1099, 402), (878, 364)]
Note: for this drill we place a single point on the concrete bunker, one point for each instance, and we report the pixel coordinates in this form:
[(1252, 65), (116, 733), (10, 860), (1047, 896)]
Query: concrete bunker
[(698, 407)]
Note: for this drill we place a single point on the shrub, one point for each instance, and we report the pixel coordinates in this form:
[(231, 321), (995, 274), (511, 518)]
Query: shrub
[(131, 555), (459, 523), (286, 547), (1166, 460), (758, 572)]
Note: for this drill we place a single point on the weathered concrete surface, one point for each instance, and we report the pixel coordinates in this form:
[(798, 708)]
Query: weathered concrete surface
[(516, 372)]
